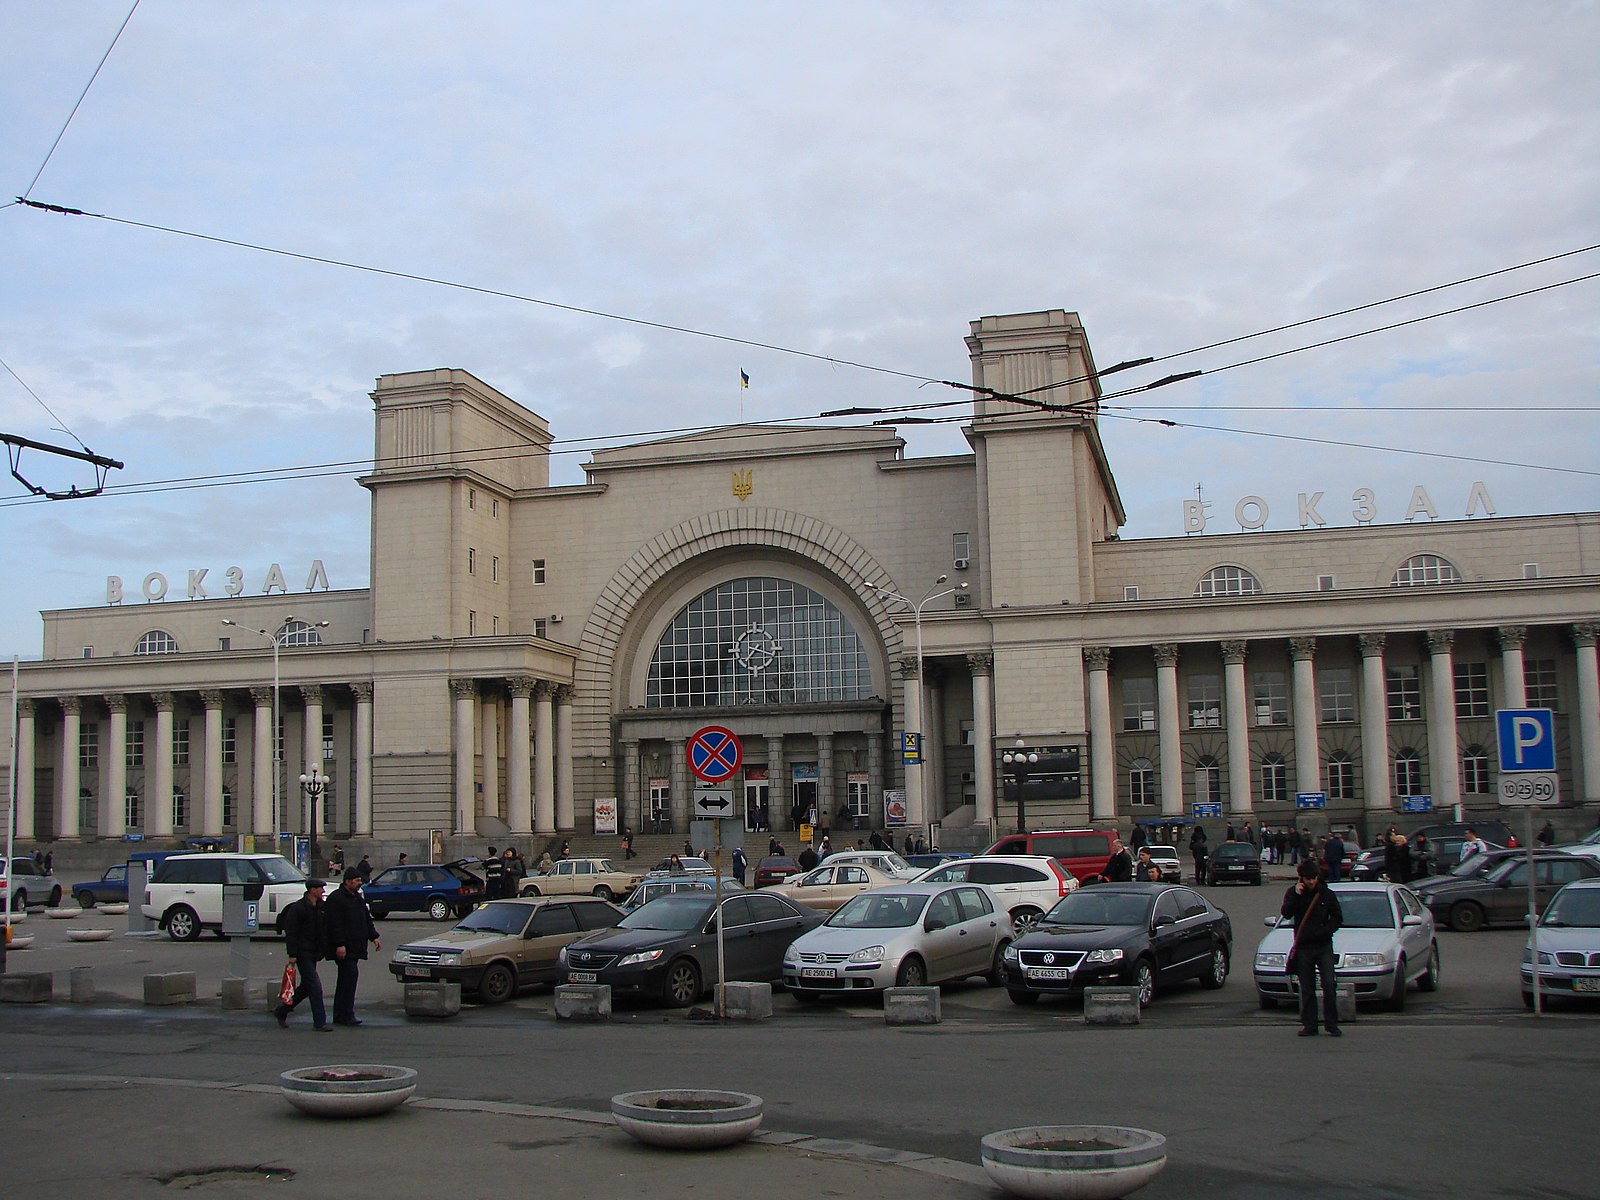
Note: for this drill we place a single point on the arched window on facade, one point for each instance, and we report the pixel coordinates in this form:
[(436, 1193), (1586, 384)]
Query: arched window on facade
[(1141, 782), (1274, 779), (157, 641), (1407, 772), (758, 640), (1207, 780), (1228, 580), (299, 633), (1475, 771), (1424, 570), (1341, 774)]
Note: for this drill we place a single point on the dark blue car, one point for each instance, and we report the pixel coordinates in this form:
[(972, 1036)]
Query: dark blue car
[(441, 891)]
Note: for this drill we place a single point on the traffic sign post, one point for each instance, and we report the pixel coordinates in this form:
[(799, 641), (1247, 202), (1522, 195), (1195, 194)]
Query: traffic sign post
[(715, 754), (1528, 780)]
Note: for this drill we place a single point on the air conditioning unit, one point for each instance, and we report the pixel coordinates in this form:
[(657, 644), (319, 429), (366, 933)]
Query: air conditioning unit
[(963, 563)]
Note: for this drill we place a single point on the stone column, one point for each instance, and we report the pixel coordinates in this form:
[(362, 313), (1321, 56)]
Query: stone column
[(874, 777), (566, 809), (67, 793), (934, 784), (1102, 741), (1241, 790), (116, 811), (25, 770), (463, 692), (519, 757), (264, 768), (311, 756), (779, 793), (633, 813), (363, 693), (1170, 736), (489, 724), (1375, 730), (825, 806), (678, 772), (911, 690), (544, 759), (982, 668), (1307, 758), (1513, 682), (211, 800), (1443, 747), (158, 793), (1584, 635)]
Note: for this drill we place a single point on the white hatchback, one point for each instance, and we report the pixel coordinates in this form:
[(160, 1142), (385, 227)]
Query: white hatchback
[(185, 894), (1028, 885)]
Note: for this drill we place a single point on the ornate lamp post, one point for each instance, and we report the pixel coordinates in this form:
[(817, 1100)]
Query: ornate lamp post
[(314, 785), (1018, 760)]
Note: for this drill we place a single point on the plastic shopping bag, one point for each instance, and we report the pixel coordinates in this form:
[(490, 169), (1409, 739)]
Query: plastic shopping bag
[(291, 980)]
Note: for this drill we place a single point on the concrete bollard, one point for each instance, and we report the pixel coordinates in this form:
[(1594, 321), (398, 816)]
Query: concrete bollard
[(26, 988), (174, 987), (82, 984), (911, 1006), (239, 992), (1111, 1006), (583, 1002), (433, 999), (1344, 995), (747, 1001)]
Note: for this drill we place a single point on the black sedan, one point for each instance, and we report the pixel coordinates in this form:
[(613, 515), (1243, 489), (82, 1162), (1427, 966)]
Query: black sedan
[(1147, 935), (1234, 862), (667, 949), (1498, 893)]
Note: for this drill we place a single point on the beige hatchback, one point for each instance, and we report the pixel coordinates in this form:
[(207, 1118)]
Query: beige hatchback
[(827, 887), (581, 877)]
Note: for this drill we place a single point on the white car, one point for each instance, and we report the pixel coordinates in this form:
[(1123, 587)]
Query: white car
[(184, 895), (1387, 943), (1028, 885), (1588, 846), (886, 861), (1569, 945)]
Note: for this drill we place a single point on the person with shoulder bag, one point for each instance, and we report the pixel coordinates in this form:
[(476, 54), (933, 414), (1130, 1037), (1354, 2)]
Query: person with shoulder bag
[(1314, 909)]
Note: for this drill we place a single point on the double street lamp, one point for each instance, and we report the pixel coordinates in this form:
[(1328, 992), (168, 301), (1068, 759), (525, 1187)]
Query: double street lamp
[(1018, 760), (314, 785)]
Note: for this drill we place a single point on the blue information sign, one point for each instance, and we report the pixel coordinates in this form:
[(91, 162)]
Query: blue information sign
[(1207, 810), (1311, 799), (1527, 739), (911, 747), (1416, 803)]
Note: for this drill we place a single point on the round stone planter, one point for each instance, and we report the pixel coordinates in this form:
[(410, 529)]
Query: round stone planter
[(62, 914), (20, 943), (348, 1089), (114, 910), (88, 935), (687, 1118), (1073, 1162)]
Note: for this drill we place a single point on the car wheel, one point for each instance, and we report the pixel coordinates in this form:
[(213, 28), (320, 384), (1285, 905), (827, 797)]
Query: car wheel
[(531, 890), (1144, 978), (1266, 1001), (605, 893), (19, 902), (182, 924), (1429, 982), (498, 984), (1216, 971), (439, 908), (996, 973), (912, 973), (1397, 1001), (1023, 998), (85, 899), (682, 987), (1466, 917), (55, 897), (1024, 918)]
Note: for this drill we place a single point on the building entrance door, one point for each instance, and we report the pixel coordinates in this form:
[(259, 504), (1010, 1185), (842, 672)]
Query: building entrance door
[(756, 799), (803, 809)]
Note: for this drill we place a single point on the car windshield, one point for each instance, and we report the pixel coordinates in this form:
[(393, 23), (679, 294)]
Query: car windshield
[(1474, 866), (497, 918), (279, 870), (1229, 850), (879, 912), (1366, 910), (1095, 907), (1578, 907), (687, 910)]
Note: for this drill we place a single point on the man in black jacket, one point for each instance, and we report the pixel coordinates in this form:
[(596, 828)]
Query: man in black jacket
[(1311, 906), (305, 940), (350, 928), (1119, 867)]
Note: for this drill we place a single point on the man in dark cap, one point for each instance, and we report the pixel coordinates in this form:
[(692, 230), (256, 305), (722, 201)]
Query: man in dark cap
[(350, 928), (305, 940)]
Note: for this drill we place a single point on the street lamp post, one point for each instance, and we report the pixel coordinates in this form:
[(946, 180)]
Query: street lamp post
[(1018, 759), (314, 785), (916, 606)]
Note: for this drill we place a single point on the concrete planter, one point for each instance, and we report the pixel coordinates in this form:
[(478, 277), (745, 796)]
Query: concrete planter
[(1073, 1162), (114, 910), (88, 935), (348, 1089), (686, 1118), (21, 942), (62, 914)]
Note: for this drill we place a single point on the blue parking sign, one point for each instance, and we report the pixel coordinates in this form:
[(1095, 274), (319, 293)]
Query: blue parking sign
[(1527, 739)]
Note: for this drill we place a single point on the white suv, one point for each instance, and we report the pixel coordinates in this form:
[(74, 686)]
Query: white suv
[(1028, 885), (185, 894)]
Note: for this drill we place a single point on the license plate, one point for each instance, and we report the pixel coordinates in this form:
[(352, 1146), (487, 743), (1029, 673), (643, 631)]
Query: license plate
[(424, 972), (1586, 983), (581, 977), (1049, 973), (817, 973)]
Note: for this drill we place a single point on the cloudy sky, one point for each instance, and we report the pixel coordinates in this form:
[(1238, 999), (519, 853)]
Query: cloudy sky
[(851, 180)]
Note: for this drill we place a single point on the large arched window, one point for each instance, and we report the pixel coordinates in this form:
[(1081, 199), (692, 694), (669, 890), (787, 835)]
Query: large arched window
[(1228, 580), (1422, 570), (157, 641), (299, 633), (758, 640)]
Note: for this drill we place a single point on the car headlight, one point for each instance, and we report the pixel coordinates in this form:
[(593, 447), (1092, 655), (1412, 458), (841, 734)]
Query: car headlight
[(867, 954), (1011, 954), (1546, 959), (1366, 960), (1103, 956), (449, 958), (644, 956), (561, 956), (1271, 962), (402, 955), (791, 955)]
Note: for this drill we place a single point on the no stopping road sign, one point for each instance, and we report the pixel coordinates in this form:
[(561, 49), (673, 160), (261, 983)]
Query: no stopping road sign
[(715, 754)]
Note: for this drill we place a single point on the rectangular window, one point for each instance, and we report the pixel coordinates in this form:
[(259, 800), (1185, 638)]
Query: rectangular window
[(1539, 683), (88, 745), (88, 651), (1324, 583), (180, 808), (660, 806), (1404, 687), (472, 498), (1270, 698), (327, 737), (1341, 773), (541, 628), (130, 809), (959, 544), (858, 796), (1139, 703), (1130, 591), (538, 570), (494, 569), (225, 643), (228, 816), (1472, 689), (494, 508), (1529, 571), (230, 739), (472, 560), (1205, 702), (1337, 691), (180, 742), (495, 625), (135, 751), (472, 623), (1475, 771)]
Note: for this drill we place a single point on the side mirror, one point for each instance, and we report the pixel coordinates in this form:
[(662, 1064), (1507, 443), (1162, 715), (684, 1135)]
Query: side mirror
[(1164, 919), (1270, 922), (933, 924), (1410, 922)]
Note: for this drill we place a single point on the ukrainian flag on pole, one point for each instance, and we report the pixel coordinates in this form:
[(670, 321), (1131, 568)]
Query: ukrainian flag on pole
[(744, 380)]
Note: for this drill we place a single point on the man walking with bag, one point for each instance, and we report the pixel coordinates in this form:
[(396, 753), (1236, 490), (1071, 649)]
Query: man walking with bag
[(305, 940), (350, 928), (1314, 909)]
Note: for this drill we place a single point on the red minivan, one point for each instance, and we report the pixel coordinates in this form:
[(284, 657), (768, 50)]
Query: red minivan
[(1084, 852)]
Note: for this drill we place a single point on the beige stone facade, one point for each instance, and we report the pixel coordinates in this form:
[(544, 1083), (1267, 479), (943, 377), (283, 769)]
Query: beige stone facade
[(526, 650)]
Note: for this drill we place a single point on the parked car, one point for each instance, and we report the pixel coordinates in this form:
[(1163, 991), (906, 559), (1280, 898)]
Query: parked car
[(440, 890), (908, 935), (31, 884), (826, 887), (652, 888), (666, 950), (1444, 855), (1588, 846), (1026, 885), (687, 864), (1498, 895), (110, 888), (1569, 945), (504, 945), (1166, 860), (774, 869), (1084, 852), (1145, 935), (1234, 862), (934, 858), (582, 877), (885, 862), (1386, 944), (184, 894)]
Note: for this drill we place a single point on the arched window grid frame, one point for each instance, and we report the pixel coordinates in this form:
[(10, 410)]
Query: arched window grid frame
[(299, 633), (156, 641), (1425, 570), (1228, 579)]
